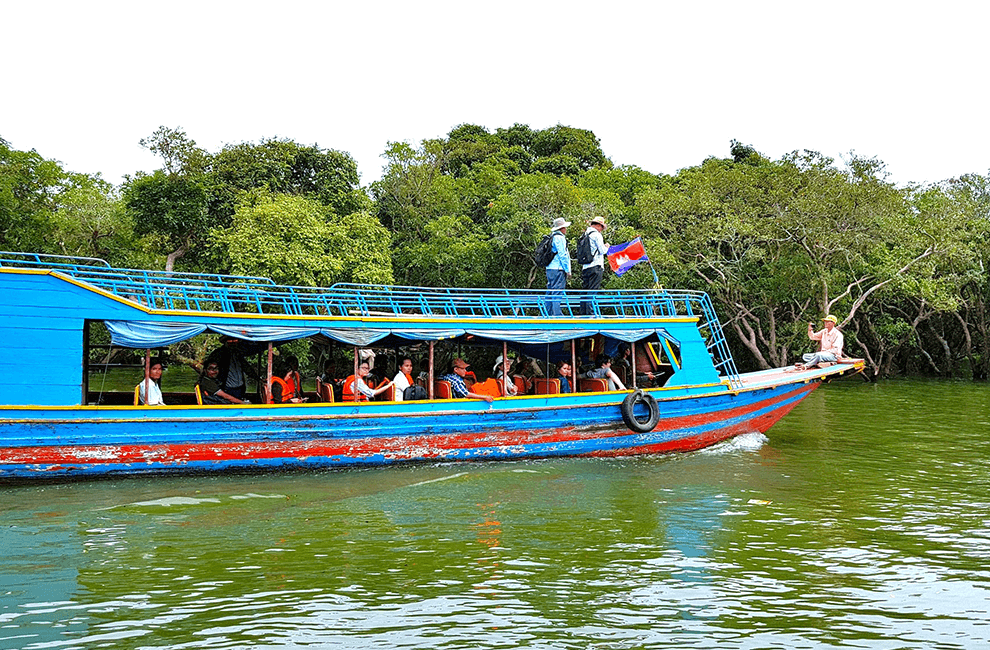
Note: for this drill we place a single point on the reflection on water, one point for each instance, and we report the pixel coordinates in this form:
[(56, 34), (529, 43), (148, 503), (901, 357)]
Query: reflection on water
[(863, 520)]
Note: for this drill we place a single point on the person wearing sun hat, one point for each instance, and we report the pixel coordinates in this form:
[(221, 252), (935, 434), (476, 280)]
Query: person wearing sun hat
[(829, 347), (458, 369), (559, 268), (591, 273)]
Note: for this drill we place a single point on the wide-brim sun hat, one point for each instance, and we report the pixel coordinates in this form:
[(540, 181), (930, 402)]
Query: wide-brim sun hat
[(559, 223), (832, 319), (600, 221)]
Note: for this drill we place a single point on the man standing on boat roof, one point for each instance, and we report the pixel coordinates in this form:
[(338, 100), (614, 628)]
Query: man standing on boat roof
[(830, 344), (591, 273), (559, 268)]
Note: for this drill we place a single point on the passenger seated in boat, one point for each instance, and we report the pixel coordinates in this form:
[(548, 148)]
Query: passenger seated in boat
[(210, 388), (284, 383), (624, 361), (458, 370), (502, 367), (403, 378), (564, 375), (154, 389), (294, 380), (357, 390), (527, 367), (233, 367), (603, 370)]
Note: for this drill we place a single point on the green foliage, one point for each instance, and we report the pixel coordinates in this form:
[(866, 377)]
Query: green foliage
[(30, 187), (285, 167), (580, 144), (172, 207), (298, 241), (776, 243), (45, 209), (451, 254)]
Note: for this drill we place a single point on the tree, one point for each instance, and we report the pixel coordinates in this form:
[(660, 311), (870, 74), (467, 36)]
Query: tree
[(580, 144), (296, 240), (178, 151), (286, 167), (172, 206), (45, 209), (29, 190)]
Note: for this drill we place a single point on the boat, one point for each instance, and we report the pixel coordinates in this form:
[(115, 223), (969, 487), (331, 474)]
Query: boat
[(55, 424)]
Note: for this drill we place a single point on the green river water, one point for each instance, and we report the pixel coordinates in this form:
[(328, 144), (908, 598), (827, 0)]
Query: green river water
[(861, 521)]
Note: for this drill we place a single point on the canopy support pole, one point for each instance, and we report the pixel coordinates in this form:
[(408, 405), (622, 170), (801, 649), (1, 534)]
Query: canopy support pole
[(505, 374), (268, 376), (633, 364), (574, 367), (147, 375), (429, 381)]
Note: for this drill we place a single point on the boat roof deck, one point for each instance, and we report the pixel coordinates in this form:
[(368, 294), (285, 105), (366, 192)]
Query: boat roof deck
[(217, 293), (207, 294)]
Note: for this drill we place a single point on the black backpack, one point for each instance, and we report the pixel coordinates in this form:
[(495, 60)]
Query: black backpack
[(584, 254), (544, 251), (414, 392)]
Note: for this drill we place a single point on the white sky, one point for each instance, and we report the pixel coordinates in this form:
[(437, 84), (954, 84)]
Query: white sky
[(662, 84)]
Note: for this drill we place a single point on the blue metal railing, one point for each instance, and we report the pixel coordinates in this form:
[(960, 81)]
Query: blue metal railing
[(207, 292)]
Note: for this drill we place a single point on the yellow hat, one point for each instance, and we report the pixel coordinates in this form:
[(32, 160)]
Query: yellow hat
[(833, 319)]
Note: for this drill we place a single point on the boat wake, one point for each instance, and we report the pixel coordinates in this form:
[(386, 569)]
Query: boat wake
[(745, 442)]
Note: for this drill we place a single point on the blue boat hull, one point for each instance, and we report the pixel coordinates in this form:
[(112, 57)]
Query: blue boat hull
[(91, 441)]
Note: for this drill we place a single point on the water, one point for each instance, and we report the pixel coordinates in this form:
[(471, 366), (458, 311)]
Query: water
[(863, 521)]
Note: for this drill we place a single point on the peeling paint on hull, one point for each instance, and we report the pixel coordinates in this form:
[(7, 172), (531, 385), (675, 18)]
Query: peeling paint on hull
[(81, 442)]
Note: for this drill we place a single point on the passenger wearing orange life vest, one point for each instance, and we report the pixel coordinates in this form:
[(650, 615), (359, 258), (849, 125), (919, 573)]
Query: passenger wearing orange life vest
[(357, 390), (285, 384)]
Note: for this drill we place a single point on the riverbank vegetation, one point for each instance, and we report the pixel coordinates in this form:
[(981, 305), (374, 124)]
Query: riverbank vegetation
[(776, 243)]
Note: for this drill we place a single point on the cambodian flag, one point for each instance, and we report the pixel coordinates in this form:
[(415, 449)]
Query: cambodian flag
[(623, 257)]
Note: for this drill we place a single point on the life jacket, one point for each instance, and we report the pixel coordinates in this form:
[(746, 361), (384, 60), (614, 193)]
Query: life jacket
[(490, 386), (285, 388), (348, 392), (293, 385)]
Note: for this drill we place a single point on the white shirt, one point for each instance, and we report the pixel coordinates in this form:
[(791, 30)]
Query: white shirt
[(401, 383), (154, 390), (598, 248)]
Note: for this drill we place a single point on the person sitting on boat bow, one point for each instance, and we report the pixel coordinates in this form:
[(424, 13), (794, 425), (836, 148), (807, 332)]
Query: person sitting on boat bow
[(458, 369), (149, 390), (830, 344), (357, 390), (210, 388), (603, 370)]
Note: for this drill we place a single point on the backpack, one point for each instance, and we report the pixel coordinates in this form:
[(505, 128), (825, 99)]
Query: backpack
[(544, 252), (414, 392), (584, 254)]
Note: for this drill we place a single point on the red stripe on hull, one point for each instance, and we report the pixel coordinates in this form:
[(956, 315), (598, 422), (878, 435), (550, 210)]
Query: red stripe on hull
[(761, 423), (397, 448)]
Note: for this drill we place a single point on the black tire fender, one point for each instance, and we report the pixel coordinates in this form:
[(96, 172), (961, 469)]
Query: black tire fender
[(629, 405)]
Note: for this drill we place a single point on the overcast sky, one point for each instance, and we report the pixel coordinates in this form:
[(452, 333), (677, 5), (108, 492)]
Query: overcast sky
[(662, 84)]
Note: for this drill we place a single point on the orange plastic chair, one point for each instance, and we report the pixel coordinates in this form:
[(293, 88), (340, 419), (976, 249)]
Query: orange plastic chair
[(592, 385), (543, 386), (442, 390)]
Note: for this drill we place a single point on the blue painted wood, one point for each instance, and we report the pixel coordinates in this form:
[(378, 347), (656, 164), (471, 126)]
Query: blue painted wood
[(44, 315)]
